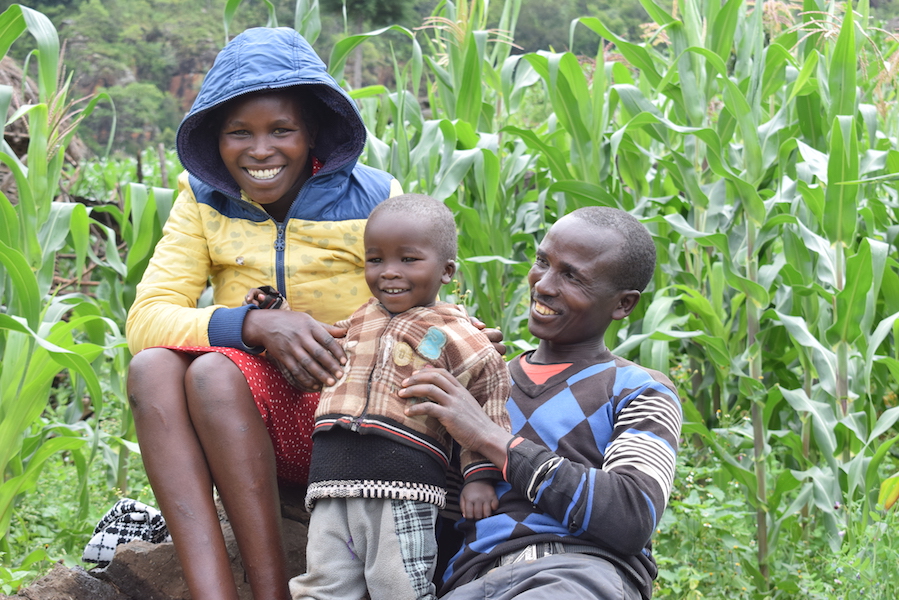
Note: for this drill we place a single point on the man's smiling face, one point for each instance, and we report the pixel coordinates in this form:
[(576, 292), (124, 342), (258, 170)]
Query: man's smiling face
[(573, 297)]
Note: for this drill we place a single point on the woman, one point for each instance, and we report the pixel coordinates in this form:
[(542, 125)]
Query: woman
[(272, 195)]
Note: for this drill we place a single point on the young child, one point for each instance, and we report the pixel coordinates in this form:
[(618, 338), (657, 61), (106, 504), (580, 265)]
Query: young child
[(377, 477)]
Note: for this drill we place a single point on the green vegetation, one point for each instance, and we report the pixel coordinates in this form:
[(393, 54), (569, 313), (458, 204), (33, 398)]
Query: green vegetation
[(759, 146)]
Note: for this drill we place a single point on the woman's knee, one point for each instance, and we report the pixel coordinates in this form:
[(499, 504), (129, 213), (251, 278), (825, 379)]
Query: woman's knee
[(213, 381), (154, 374)]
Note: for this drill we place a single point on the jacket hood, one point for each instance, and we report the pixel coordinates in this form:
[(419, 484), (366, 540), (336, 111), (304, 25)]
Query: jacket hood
[(261, 59)]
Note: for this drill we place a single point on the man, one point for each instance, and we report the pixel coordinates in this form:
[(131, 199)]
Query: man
[(589, 464)]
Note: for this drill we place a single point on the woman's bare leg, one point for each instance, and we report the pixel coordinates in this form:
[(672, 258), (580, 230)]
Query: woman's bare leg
[(171, 426), (239, 452)]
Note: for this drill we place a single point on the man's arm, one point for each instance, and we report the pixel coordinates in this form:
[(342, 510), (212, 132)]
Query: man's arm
[(617, 506)]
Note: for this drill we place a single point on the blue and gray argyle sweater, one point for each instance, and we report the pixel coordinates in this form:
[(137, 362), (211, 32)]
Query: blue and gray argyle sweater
[(596, 467)]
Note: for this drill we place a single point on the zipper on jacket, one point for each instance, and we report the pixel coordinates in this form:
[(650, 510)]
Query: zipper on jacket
[(279, 257), (357, 422)]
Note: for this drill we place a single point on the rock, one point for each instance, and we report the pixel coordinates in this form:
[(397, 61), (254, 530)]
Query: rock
[(62, 583), (144, 571)]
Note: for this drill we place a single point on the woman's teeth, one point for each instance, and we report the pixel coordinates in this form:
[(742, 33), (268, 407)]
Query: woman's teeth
[(264, 173)]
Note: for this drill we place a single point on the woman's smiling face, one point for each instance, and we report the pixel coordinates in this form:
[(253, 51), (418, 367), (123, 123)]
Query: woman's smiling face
[(265, 145)]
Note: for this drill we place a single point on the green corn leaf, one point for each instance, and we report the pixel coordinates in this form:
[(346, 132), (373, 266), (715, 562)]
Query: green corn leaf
[(635, 55), (721, 35), (842, 74), (851, 306), (14, 21), (470, 88), (750, 199), (815, 162), (453, 171), (11, 488), (880, 334), (112, 257), (9, 222), (823, 422), (307, 20), (636, 104), (57, 228), (568, 92), (690, 69), (342, 49), (716, 348), (486, 174), (824, 359), (516, 76), (656, 12), (6, 94), (554, 158), (841, 195), (583, 193), (26, 298), (144, 230), (776, 58), (694, 424), (43, 187), (231, 9), (806, 73), (812, 121), (12, 25), (753, 290), (165, 198), (715, 240), (736, 103), (28, 216), (700, 306)]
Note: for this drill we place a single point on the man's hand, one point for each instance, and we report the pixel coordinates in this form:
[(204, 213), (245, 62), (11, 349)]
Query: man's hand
[(457, 411)]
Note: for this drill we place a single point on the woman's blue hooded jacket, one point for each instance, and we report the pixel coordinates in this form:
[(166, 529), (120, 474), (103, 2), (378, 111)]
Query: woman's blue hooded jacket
[(214, 236)]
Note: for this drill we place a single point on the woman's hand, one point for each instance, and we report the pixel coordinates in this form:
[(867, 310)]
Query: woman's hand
[(494, 335), (305, 348), (457, 411)]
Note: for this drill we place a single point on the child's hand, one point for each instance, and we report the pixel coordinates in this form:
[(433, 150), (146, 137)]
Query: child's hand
[(266, 297), (478, 499), (255, 297)]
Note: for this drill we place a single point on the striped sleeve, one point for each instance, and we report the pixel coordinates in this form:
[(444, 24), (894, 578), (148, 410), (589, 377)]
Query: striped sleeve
[(644, 446)]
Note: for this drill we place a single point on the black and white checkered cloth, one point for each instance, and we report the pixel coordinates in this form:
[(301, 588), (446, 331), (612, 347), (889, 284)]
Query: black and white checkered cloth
[(126, 521)]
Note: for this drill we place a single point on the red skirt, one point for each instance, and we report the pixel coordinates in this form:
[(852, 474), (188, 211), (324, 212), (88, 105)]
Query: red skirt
[(287, 412)]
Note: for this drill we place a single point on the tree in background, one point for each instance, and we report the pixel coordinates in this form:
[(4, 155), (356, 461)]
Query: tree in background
[(545, 25)]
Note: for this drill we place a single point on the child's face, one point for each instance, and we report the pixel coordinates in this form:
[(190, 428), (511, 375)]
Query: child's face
[(402, 266), (265, 144), (573, 299)]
